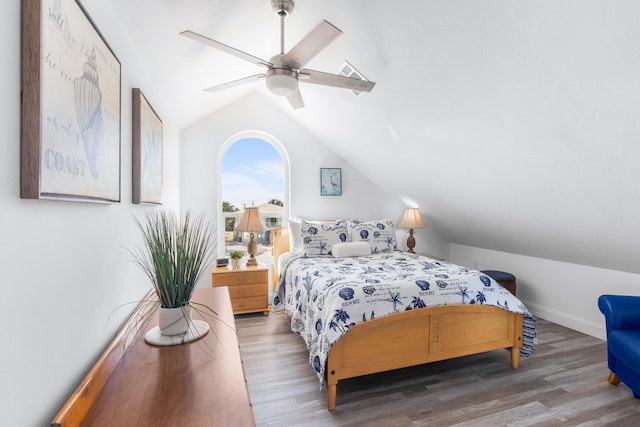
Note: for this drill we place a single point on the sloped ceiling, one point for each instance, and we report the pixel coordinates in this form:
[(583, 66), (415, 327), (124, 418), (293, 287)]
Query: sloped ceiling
[(513, 125)]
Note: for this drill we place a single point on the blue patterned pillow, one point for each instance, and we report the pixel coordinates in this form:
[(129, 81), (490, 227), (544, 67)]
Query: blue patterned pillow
[(319, 238), (381, 234)]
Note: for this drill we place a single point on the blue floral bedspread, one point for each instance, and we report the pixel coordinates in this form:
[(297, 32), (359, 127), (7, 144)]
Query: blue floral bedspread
[(325, 296)]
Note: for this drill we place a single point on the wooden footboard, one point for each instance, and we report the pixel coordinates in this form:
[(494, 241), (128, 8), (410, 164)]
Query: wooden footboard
[(421, 336)]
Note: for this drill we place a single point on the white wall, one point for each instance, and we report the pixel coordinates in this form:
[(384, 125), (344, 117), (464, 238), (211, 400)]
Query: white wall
[(202, 141), (561, 292), (64, 269)]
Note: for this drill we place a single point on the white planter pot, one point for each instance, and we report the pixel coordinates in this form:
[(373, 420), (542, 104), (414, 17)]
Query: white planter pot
[(174, 321), (235, 263)]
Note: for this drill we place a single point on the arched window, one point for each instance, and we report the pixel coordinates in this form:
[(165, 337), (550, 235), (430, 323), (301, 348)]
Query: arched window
[(253, 170)]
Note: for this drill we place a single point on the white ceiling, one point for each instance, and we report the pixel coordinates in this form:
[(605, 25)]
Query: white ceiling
[(513, 124)]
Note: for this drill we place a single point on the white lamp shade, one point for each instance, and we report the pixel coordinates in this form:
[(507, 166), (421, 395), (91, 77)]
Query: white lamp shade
[(412, 219), (251, 221)]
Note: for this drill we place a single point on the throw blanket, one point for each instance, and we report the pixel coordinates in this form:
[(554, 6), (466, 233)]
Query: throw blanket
[(325, 296)]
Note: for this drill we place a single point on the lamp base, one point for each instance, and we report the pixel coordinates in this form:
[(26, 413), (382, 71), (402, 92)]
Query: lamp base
[(252, 248), (411, 242)]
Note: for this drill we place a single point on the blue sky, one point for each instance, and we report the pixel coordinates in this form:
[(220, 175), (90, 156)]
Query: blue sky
[(252, 171)]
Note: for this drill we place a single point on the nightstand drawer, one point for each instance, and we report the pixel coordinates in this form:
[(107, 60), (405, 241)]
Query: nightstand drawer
[(248, 287), (238, 278), (243, 291), (250, 304)]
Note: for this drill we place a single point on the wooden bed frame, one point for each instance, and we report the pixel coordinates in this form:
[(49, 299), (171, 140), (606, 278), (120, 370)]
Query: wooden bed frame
[(418, 336)]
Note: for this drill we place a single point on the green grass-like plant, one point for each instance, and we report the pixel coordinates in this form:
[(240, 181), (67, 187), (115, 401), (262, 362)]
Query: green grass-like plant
[(236, 254), (175, 255)]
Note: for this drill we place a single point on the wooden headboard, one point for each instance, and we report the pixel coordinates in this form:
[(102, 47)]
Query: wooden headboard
[(280, 246)]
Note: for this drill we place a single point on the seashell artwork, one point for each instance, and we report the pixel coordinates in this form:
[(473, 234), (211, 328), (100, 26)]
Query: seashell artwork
[(88, 100), (74, 96)]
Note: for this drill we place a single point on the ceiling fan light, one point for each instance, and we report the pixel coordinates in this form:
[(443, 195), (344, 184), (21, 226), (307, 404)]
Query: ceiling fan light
[(282, 82)]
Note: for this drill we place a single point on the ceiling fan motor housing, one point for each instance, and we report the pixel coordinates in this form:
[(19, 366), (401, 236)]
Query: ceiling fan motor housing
[(282, 7)]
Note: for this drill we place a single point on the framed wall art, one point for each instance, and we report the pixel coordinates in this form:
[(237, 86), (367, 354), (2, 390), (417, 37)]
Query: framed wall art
[(330, 182), (147, 151), (70, 130)]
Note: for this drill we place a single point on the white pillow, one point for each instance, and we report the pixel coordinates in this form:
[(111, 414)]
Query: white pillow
[(351, 249), (295, 238), (318, 238), (380, 234)]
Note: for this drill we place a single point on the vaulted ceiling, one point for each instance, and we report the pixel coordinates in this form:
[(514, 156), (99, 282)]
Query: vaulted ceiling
[(514, 125)]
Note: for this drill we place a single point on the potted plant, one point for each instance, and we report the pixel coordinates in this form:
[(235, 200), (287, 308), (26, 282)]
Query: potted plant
[(176, 253), (236, 256)]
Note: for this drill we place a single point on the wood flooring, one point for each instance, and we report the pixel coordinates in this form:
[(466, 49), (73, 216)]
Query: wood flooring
[(563, 384)]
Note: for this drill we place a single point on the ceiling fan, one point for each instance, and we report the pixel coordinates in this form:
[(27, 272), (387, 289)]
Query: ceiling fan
[(285, 70)]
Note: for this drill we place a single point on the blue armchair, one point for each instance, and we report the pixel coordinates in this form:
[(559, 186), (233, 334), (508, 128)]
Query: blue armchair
[(622, 314)]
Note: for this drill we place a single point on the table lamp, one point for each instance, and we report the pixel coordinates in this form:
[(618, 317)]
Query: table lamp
[(251, 223), (411, 219)]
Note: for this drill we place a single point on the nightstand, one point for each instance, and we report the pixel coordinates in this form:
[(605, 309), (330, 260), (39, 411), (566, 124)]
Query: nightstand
[(248, 287)]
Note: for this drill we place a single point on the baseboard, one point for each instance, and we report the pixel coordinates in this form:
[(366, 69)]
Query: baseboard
[(563, 319)]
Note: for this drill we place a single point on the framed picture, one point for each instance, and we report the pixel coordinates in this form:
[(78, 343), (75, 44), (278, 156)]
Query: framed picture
[(70, 130), (147, 151), (330, 182)]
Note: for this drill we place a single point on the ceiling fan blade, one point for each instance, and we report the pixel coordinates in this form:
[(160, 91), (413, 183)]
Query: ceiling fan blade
[(296, 100), (226, 48), (311, 45), (328, 79), (234, 83)]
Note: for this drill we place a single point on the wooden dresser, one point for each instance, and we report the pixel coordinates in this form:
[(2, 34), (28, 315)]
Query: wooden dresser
[(201, 383), (248, 287)]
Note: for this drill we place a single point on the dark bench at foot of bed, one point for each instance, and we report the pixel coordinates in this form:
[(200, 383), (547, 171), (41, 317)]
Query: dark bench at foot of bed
[(506, 280)]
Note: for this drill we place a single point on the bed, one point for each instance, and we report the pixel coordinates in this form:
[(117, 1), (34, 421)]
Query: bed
[(365, 313)]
